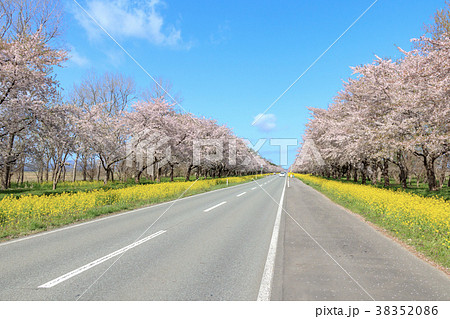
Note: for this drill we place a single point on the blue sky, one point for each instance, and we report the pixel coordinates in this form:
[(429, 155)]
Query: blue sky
[(229, 60)]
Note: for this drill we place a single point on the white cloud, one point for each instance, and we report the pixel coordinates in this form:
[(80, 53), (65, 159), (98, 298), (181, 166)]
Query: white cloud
[(265, 122), (76, 58), (128, 19)]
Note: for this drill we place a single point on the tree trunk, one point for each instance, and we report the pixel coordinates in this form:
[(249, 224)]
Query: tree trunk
[(54, 171), (74, 173), (107, 175), (137, 177), (188, 173), (374, 173), (428, 163), (431, 177), (171, 173), (401, 164), (22, 173), (138, 173), (403, 176), (159, 174), (355, 174), (363, 173), (41, 172), (442, 179), (85, 164), (385, 173), (99, 170), (91, 172), (444, 163), (154, 169), (47, 170), (9, 161), (59, 168), (56, 175)]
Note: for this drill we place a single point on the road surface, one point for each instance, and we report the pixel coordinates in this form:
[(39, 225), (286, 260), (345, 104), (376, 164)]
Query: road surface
[(328, 253), (231, 244)]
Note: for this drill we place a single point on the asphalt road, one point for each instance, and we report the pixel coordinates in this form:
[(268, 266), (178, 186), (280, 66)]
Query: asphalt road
[(211, 246), (220, 245), (328, 253)]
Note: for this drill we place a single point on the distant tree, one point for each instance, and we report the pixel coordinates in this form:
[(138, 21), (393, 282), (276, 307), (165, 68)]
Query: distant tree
[(19, 18), (441, 26), (102, 101)]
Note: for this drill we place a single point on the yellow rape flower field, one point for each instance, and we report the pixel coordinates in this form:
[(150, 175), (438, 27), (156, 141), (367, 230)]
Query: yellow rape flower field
[(31, 212), (422, 222)]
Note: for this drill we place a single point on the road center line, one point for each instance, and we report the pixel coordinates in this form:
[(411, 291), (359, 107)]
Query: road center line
[(215, 206), (265, 289), (241, 194), (77, 271)]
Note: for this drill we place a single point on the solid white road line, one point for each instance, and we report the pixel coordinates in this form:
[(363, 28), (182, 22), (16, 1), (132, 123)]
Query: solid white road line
[(265, 289), (253, 188), (215, 206), (75, 272), (241, 194)]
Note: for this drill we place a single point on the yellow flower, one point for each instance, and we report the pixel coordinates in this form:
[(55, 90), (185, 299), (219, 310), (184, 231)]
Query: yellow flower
[(413, 213), (20, 213)]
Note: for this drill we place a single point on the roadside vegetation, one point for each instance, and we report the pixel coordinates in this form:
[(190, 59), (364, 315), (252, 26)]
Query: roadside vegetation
[(31, 212), (46, 188), (414, 187), (421, 222)]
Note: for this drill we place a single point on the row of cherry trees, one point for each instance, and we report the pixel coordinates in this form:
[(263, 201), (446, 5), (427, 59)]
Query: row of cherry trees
[(388, 112), (150, 134), (104, 126)]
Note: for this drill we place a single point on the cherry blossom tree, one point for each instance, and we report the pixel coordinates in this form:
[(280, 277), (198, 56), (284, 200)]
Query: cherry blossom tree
[(60, 136), (152, 128), (426, 102), (26, 88), (105, 135), (102, 101), (389, 111)]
